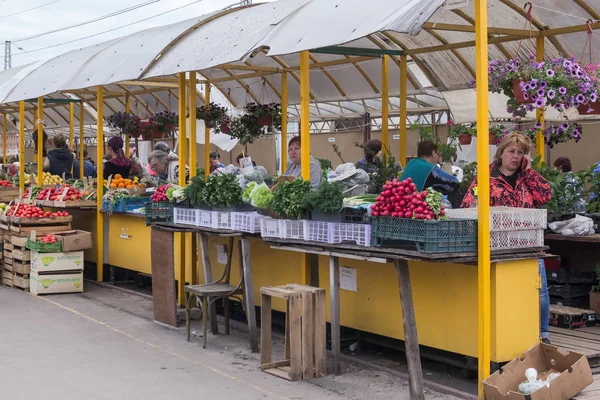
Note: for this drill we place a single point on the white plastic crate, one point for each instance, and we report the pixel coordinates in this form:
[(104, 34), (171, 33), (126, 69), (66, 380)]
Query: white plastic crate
[(359, 234), (318, 231), (292, 229), (221, 220), (186, 216), (205, 218), (270, 228), (246, 222), (507, 218), (516, 239)]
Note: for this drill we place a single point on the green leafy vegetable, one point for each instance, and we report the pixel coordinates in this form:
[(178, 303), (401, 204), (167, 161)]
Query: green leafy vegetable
[(328, 198), (261, 196), (222, 190), (289, 198), (194, 192), (246, 195)]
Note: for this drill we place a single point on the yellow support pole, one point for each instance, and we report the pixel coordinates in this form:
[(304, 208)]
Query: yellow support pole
[(127, 137), (305, 115), (206, 135), (540, 148), (182, 137), (483, 177), (82, 146), (193, 161), (40, 141), (385, 89), (284, 121), (4, 139), (71, 117), (100, 171), (21, 146), (403, 81)]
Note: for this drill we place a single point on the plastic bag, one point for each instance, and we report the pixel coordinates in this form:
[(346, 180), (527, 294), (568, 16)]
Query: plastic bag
[(532, 383), (578, 226)]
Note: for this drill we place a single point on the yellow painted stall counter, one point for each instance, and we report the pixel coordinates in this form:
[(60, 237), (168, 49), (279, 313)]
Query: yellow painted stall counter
[(445, 298), (129, 242)]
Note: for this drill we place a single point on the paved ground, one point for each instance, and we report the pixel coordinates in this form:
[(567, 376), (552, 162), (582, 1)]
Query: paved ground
[(104, 345)]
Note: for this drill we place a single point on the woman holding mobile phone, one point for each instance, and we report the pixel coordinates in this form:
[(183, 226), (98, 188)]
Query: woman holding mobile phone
[(513, 183)]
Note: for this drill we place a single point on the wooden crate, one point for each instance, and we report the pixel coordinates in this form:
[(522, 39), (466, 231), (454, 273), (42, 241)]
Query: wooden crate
[(18, 241), (7, 267), (305, 351), (21, 281), (21, 254), (7, 281), (8, 246), (25, 230), (21, 267)]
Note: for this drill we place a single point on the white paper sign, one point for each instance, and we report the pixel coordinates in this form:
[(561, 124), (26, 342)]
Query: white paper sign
[(331, 140), (221, 254), (396, 137), (348, 279)]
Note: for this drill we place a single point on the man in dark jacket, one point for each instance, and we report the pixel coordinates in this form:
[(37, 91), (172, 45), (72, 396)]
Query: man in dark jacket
[(88, 167), (60, 159)]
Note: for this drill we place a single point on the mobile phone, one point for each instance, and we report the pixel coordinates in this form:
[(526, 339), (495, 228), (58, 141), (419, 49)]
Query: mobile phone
[(524, 163)]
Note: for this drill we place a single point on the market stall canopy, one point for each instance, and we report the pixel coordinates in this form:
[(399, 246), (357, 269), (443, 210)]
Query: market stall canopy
[(245, 49)]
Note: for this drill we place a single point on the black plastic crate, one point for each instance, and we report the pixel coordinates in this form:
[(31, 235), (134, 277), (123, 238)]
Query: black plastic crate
[(568, 291), (577, 302), (567, 275), (316, 215), (447, 236), (158, 211), (355, 216)]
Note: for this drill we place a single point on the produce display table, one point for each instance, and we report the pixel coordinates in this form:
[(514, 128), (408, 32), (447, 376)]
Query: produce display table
[(204, 233), (400, 260)]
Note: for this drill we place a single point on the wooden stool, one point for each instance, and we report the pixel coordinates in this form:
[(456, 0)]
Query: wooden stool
[(305, 337)]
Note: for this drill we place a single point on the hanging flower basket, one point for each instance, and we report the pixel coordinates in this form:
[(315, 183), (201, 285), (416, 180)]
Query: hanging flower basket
[(465, 139), (555, 134), (268, 115), (589, 109), (520, 96), (560, 84), (492, 139), (212, 114), (265, 120)]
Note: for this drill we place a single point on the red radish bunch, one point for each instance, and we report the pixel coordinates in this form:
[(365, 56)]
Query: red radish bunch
[(72, 194), (160, 194), (31, 211), (5, 183), (49, 238), (400, 199)]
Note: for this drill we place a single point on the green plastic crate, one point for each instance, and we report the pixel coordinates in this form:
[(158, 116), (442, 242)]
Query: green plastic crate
[(447, 236), (160, 211), (42, 247)]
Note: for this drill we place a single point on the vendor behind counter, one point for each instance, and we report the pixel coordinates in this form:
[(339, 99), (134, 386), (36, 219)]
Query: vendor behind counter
[(117, 163), (294, 168)]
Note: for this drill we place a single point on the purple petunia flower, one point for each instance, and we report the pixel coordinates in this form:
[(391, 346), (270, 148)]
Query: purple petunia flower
[(549, 72), (533, 84), (593, 97), (564, 126), (541, 92), (580, 98), (567, 64), (538, 125), (526, 96), (562, 90), (543, 84), (528, 107), (539, 102), (551, 93), (509, 109)]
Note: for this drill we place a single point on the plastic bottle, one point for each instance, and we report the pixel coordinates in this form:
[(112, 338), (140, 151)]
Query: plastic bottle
[(446, 203)]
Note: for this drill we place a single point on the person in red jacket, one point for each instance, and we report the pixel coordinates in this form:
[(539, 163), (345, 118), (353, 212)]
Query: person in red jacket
[(513, 183)]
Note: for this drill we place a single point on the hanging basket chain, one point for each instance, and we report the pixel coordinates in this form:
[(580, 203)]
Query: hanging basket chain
[(528, 21), (589, 43)]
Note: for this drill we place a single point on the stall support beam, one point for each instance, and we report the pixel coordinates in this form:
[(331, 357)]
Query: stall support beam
[(284, 121), (206, 135), (385, 101), (40, 141), (4, 138), (305, 115), (21, 145), (71, 131), (127, 136), (483, 174), (539, 113), (182, 137), (82, 147), (193, 161), (100, 172), (402, 122)]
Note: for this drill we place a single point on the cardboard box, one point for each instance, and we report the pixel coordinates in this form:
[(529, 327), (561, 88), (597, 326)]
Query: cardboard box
[(75, 240), (55, 283), (574, 369), (595, 303), (571, 317), (52, 262)]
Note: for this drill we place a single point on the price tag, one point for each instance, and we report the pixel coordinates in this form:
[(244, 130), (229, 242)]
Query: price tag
[(32, 236), (85, 184), (16, 208), (48, 194), (64, 193), (30, 194), (107, 182)]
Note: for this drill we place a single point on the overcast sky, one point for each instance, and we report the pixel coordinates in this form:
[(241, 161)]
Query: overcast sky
[(20, 19)]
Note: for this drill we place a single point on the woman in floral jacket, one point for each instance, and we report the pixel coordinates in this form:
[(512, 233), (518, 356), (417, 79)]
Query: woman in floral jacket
[(513, 183)]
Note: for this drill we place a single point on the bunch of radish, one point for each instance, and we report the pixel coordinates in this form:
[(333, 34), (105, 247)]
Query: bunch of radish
[(161, 193), (49, 238), (31, 211), (5, 183), (400, 199)]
